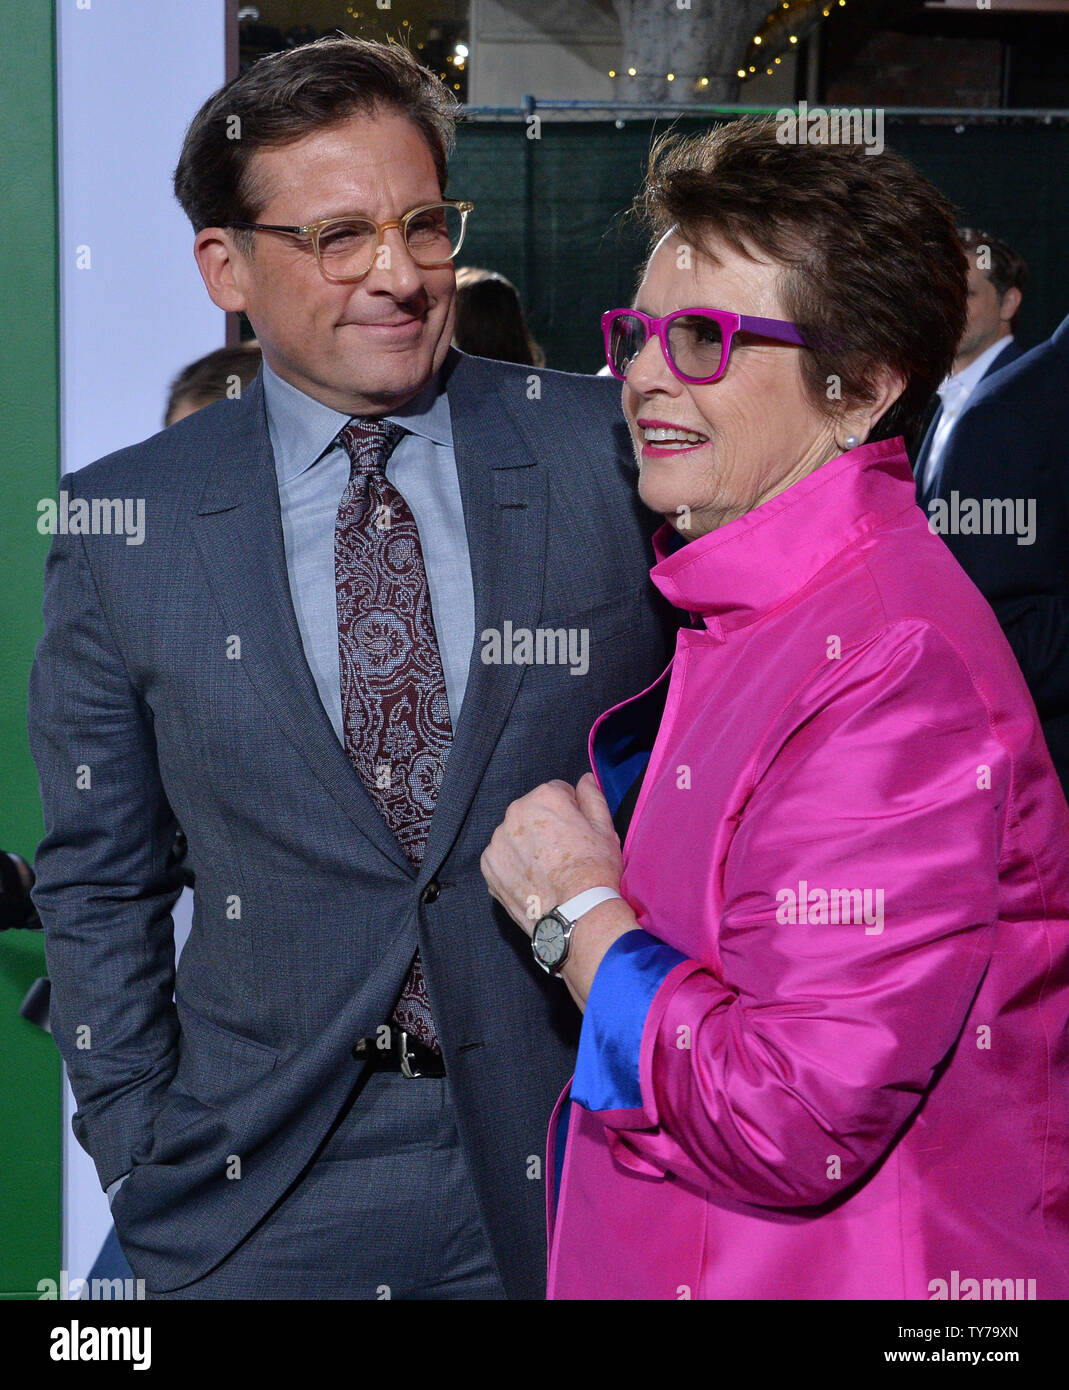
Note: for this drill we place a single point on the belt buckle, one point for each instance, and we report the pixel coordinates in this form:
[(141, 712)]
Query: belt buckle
[(407, 1058)]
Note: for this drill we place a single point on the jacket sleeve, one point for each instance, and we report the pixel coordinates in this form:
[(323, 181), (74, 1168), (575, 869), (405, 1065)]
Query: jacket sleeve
[(104, 889), (995, 451), (780, 1069)]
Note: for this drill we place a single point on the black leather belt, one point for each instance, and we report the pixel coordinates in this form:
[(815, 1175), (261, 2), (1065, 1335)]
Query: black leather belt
[(395, 1050)]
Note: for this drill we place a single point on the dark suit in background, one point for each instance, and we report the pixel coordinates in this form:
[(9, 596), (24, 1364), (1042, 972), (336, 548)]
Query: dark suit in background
[(927, 490), (1010, 442)]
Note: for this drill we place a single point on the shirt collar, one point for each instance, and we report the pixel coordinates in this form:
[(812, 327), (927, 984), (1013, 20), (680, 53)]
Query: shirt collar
[(969, 377), (303, 429), (734, 575)]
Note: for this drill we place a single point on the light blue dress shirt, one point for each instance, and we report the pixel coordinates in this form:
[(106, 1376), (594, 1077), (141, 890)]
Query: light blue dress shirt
[(312, 473)]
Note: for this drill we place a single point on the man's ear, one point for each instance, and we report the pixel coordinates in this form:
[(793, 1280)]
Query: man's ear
[(221, 265), (1011, 302)]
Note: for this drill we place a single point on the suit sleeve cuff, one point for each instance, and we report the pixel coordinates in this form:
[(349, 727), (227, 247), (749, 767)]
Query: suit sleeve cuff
[(630, 974)]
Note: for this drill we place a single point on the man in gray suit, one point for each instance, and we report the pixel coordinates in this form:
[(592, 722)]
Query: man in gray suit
[(378, 598)]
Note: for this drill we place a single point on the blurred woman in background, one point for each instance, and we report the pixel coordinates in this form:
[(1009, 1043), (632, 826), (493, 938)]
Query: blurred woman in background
[(490, 319)]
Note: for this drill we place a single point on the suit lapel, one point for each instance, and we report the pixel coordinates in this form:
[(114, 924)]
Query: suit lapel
[(238, 532), (934, 416), (1009, 353), (503, 489)]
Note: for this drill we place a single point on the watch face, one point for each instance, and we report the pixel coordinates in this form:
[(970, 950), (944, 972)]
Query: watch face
[(549, 941)]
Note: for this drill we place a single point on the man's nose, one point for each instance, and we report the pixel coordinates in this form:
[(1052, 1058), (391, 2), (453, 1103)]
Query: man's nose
[(393, 268)]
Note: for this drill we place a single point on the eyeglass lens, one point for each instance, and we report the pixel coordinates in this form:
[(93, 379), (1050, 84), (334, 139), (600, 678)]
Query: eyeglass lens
[(348, 246), (695, 344)]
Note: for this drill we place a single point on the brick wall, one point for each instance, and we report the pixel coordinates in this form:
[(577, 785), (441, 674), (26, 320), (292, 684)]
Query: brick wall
[(893, 69)]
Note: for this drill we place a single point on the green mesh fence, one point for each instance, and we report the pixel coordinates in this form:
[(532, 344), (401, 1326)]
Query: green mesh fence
[(549, 211)]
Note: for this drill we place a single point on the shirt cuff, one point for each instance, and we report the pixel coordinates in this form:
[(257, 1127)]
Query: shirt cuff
[(114, 1187), (630, 974)]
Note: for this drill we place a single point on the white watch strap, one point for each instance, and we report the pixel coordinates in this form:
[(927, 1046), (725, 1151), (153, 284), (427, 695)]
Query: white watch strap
[(574, 908)]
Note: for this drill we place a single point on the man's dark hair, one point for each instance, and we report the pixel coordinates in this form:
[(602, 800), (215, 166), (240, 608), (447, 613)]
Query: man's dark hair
[(286, 96), (210, 378), (1008, 269)]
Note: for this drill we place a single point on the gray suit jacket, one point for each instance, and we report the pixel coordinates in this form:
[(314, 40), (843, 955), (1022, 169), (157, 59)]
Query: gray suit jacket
[(144, 709)]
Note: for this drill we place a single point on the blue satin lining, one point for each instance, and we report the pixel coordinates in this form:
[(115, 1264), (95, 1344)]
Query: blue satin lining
[(630, 974), (622, 748), (623, 743), (560, 1143)]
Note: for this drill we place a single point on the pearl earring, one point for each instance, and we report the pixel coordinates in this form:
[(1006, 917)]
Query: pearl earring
[(851, 442)]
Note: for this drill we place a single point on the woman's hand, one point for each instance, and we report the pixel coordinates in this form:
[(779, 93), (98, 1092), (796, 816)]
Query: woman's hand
[(556, 842), (553, 843)]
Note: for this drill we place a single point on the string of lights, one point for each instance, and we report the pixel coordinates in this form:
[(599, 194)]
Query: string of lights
[(783, 29), (669, 76)]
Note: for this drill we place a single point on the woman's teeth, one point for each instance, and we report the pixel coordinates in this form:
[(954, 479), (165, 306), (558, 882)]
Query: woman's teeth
[(663, 436)]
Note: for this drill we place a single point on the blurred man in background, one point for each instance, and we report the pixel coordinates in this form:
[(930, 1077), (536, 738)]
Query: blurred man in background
[(997, 276), (1005, 468), (221, 375)]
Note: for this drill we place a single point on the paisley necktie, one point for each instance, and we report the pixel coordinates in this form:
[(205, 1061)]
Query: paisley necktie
[(395, 710)]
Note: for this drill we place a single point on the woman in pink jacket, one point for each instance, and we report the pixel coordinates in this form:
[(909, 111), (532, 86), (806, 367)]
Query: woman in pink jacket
[(826, 983)]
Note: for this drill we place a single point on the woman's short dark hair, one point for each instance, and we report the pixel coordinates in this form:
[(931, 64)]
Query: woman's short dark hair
[(874, 272), (289, 95)]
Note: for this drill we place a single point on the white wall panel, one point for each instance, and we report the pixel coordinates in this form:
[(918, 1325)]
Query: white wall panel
[(133, 310)]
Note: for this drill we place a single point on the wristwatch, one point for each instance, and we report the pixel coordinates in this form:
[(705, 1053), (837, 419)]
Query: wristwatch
[(552, 937)]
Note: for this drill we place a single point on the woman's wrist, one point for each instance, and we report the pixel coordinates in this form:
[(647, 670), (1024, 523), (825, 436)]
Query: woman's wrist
[(593, 935)]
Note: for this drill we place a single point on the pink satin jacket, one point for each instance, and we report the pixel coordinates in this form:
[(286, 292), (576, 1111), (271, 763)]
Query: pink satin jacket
[(833, 1062)]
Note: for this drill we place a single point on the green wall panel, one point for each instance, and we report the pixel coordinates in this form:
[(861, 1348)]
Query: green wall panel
[(549, 213), (30, 1073)]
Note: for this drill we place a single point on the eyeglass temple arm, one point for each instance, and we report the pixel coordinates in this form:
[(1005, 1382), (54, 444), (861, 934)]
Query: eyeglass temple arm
[(268, 227), (772, 328)]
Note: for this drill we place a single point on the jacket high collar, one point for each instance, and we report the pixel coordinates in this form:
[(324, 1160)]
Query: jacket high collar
[(734, 575)]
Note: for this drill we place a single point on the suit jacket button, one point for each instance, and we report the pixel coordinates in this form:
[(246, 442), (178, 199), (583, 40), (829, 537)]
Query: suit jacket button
[(432, 892)]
